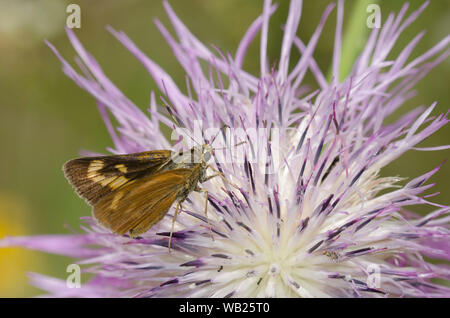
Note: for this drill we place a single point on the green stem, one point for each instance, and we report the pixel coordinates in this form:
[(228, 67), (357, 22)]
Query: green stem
[(354, 37)]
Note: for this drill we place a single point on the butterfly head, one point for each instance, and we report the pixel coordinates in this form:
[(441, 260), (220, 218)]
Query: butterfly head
[(207, 152)]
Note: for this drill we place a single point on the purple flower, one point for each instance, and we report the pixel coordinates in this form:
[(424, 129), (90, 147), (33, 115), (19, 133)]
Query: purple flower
[(308, 217)]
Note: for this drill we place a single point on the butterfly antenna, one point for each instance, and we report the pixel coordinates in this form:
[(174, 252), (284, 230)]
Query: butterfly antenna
[(172, 113), (176, 119), (238, 144), (215, 136)]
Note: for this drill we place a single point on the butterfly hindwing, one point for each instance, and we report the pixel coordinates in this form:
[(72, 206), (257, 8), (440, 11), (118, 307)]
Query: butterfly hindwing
[(136, 207), (96, 177)]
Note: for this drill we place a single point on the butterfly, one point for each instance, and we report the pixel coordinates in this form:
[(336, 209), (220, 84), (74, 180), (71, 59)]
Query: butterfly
[(131, 193)]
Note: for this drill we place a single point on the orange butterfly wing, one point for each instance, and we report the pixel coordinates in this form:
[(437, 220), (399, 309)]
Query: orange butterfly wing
[(96, 177), (138, 206)]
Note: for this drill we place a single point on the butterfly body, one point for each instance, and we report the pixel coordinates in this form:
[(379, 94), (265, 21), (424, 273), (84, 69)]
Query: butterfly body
[(131, 193)]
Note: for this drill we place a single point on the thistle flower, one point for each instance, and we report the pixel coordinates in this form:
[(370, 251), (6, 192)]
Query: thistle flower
[(318, 223)]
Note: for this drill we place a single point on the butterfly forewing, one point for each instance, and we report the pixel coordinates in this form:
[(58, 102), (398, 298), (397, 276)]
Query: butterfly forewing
[(131, 193), (134, 208), (95, 177)]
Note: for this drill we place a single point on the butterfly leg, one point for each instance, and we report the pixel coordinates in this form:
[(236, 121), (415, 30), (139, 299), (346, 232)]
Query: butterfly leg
[(177, 209), (221, 175), (206, 211), (212, 176), (206, 205)]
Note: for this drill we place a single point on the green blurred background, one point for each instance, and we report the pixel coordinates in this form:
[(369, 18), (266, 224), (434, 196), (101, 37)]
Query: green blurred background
[(46, 119)]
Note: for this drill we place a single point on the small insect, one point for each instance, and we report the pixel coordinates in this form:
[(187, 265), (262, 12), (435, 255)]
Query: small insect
[(332, 254), (131, 193)]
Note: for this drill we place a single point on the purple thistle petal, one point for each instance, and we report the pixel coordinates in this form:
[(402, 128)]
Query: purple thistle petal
[(67, 245)]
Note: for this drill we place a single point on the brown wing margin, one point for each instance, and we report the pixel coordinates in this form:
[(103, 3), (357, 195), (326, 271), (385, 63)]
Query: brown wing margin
[(138, 206), (95, 177)]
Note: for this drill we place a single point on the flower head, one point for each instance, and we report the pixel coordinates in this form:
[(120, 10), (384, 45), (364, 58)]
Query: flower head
[(308, 214)]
